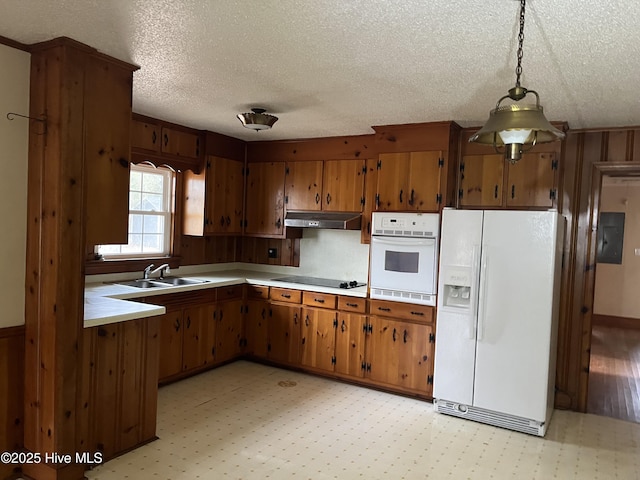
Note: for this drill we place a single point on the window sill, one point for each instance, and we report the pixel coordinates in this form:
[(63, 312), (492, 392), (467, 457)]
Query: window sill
[(95, 267)]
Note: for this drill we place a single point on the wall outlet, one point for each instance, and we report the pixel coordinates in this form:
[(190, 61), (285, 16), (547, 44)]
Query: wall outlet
[(272, 253)]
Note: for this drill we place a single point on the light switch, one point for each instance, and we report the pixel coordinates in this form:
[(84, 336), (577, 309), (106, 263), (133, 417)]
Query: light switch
[(637, 252)]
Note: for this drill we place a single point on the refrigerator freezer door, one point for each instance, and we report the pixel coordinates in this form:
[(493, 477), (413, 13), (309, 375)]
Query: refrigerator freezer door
[(515, 313), (456, 326)]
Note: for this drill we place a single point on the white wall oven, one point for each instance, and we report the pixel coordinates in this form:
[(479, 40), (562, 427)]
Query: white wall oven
[(404, 249)]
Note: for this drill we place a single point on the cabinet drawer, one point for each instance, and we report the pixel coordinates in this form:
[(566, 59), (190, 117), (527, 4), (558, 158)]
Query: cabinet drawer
[(257, 291), (232, 292), (324, 300), (408, 311), (352, 304), (285, 295)]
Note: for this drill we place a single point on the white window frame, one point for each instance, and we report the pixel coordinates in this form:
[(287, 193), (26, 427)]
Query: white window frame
[(166, 214)]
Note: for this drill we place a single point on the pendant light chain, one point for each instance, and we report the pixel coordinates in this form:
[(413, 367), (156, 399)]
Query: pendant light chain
[(520, 42)]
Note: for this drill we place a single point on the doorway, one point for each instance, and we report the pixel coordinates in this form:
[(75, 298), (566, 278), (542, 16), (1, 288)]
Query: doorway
[(614, 365)]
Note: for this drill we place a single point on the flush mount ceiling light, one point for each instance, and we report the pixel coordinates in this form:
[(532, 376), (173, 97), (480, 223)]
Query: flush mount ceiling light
[(514, 126), (257, 120)]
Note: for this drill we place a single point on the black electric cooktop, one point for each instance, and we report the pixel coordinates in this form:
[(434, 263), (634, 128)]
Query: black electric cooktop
[(320, 282)]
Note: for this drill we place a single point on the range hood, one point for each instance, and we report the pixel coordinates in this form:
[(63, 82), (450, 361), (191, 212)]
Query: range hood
[(334, 220)]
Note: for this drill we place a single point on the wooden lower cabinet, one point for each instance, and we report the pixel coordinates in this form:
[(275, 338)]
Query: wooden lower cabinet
[(283, 333), (255, 327), (350, 342), (318, 338), (229, 329), (121, 397)]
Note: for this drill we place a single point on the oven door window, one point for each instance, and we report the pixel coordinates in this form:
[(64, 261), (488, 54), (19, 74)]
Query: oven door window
[(404, 262)]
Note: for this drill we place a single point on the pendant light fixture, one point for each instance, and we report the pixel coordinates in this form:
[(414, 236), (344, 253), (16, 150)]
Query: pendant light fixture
[(257, 120), (516, 125)]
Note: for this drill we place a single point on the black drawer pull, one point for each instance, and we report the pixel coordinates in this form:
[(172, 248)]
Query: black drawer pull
[(418, 313), (285, 295), (405, 336), (354, 305), (394, 334), (384, 309), (319, 300)]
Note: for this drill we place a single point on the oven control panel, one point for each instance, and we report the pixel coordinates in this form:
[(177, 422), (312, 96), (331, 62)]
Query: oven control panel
[(402, 224)]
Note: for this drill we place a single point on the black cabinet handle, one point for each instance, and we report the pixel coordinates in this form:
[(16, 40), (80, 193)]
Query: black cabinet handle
[(420, 314), (513, 191), (228, 220), (166, 139), (317, 198), (222, 221), (384, 309), (295, 319), (264, 312), (495, 192), (306, 320), (404, 338), (279, 223), (401, 191), (343, 327), (394, 334), (411, 197), (154, 137), (319, 300), (124, 162), (177, 324), (285, 295), (354, 305), (328, 198)]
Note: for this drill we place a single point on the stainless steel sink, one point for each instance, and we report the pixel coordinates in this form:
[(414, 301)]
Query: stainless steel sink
[(140, 283), (178, 281)]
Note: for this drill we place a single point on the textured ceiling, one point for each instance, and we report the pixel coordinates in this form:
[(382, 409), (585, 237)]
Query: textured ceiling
[(336, 67)]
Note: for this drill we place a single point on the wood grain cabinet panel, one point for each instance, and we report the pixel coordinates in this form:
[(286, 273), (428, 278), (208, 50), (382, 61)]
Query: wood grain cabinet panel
[(343, 185), (284, 333), (256, 325), (199, 333), (303, 185), (145, 136), (350, 344), (264, 213), (229, 330), (481, 180), (531, 181), (170, 361), (180, 143), (318, 338)]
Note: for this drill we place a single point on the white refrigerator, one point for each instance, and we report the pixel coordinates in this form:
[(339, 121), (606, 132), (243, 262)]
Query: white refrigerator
[(497, 312)]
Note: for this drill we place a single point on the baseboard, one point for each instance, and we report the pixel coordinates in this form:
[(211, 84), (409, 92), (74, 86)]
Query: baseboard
[(617, 322)]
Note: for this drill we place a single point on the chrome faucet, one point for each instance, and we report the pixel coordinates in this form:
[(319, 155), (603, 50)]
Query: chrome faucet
[(145, 273), (163, 269)]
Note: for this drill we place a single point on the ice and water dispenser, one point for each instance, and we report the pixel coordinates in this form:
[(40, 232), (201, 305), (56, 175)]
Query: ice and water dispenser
[(456, 284)]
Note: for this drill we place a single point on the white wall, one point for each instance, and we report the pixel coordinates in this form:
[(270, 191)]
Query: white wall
[(14, 97), (336, 254)]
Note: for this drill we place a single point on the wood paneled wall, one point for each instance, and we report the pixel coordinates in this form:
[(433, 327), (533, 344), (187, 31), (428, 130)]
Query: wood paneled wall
[(589, 154), (11, 395)]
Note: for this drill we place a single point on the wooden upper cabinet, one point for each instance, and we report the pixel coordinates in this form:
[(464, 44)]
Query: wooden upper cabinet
[(343, 185), (107, 112), (491, 181), (409, 181), (303, 185), (180, 143), (531, 181), (481, 178), (145, 135), (212, 202), (265, 199)]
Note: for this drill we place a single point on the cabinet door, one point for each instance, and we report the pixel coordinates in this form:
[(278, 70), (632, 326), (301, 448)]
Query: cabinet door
[(224, 196), (256, 323), (199, 336), (303, 185), (481, 178), (265, 199), (343, 185), (392, 188), (531, 181), (382, 351), (318, 338), (145, 136), (228, 330), (350, 339), (180, 143), (415, 357), (107, 137), (284, 333), (370, 185), (423, 191), (170, 344)]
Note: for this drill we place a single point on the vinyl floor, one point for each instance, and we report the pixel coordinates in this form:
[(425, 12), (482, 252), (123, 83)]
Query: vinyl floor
[(250, 421)]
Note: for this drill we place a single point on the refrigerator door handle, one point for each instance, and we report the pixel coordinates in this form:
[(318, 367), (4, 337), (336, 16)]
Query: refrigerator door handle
[(483, 294), (473, 315)]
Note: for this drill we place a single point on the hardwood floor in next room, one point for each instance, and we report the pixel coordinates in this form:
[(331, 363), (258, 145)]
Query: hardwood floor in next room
[(250, 421), (614, 373)]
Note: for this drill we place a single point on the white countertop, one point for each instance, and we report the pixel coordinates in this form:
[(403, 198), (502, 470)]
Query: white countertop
[(110, 302)]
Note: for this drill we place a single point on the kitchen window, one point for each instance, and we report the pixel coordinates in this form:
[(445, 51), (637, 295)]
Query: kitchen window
[(150, 211)]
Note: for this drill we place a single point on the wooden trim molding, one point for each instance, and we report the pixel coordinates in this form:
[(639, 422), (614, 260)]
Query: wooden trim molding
[(14, 44), (9, 332), (615, 322), (96, 267)]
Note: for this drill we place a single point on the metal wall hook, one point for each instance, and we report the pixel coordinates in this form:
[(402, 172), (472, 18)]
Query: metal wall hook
[(43, 119)]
